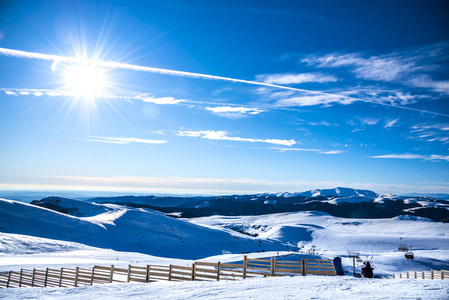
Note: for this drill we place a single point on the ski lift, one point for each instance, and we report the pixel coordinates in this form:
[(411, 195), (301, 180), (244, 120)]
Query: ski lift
[(409, 254), (402, 247)]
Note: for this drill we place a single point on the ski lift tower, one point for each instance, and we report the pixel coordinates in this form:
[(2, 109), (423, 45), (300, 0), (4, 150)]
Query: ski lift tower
[(354, 256)]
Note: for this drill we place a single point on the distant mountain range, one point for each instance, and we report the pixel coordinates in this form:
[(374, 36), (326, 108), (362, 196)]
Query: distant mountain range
[(339, 202)]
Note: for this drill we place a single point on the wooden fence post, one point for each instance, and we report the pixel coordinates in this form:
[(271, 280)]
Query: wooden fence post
[(431, 274), (169, 272), (20, 278), (400, 275), (129, 273), (303, 266), (273, 267), (9, 278), (46, 278), (32, 278), (147, 279), (394, 277), (416, 275), (442, 274), (76, 276), (245, 265), (193, 271), (423, 275), (60, 277), (92, 276), (218, 271), (408, 274), (111, 275)]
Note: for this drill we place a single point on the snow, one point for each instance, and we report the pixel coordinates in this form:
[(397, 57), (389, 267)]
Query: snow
[(300, 287), (127, 229), (350, 199), (337, 236), (35, 237)]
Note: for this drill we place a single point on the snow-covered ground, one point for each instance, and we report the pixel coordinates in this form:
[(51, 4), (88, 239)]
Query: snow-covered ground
[(337, 236), (35, 237), (307, 287)]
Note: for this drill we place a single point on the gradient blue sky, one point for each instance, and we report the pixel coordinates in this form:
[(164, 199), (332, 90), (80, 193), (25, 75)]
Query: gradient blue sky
[(329, 93)]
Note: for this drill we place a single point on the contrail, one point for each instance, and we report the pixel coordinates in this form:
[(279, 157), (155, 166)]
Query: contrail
[(115, 65)]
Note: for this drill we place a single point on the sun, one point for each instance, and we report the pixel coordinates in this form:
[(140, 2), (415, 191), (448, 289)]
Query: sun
[(85, 80)]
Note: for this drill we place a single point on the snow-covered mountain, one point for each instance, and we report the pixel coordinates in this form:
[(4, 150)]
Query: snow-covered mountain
[(340, 202), (336, 192)]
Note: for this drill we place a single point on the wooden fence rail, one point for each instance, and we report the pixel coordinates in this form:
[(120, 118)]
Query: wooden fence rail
[(432, 274), (198, 271)]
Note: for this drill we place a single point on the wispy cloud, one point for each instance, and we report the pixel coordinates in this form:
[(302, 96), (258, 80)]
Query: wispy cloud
[(312, 100), (161, 132), (224, 136), (234, 112), (413, 67), (437, 132), (160, 100), (309, 150), (391, 123), (368, 121), (291, 78), (122, 140), (379, 68), (322, 123), (432, 157)]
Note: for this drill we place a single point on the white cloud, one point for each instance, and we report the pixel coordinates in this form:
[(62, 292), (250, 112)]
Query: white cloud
[(410, 67), (368, 121), (291, 78), (309, 150), (437, 132), (425, 81), (122, 140), (10, 93), (161, 132), (391, 123), (432, 157), (234, 112), (380, 68), (311, 100), (160, 100), (322, 123), (224, 136)]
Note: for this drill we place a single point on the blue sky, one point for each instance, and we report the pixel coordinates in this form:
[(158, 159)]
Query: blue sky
[(222, 97)]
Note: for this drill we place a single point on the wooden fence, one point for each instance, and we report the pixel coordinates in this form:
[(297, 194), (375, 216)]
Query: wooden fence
[(198, 271), (443, 274)]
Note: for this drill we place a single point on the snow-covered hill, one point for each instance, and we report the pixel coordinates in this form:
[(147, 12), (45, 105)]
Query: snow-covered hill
[(337, 236), (125, 229)]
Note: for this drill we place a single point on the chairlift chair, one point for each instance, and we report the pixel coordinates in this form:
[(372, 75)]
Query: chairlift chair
[(409, 254), (402, 247)]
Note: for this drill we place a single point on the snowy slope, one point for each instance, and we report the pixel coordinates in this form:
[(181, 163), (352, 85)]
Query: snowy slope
[(126, 229), (337, 236)]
